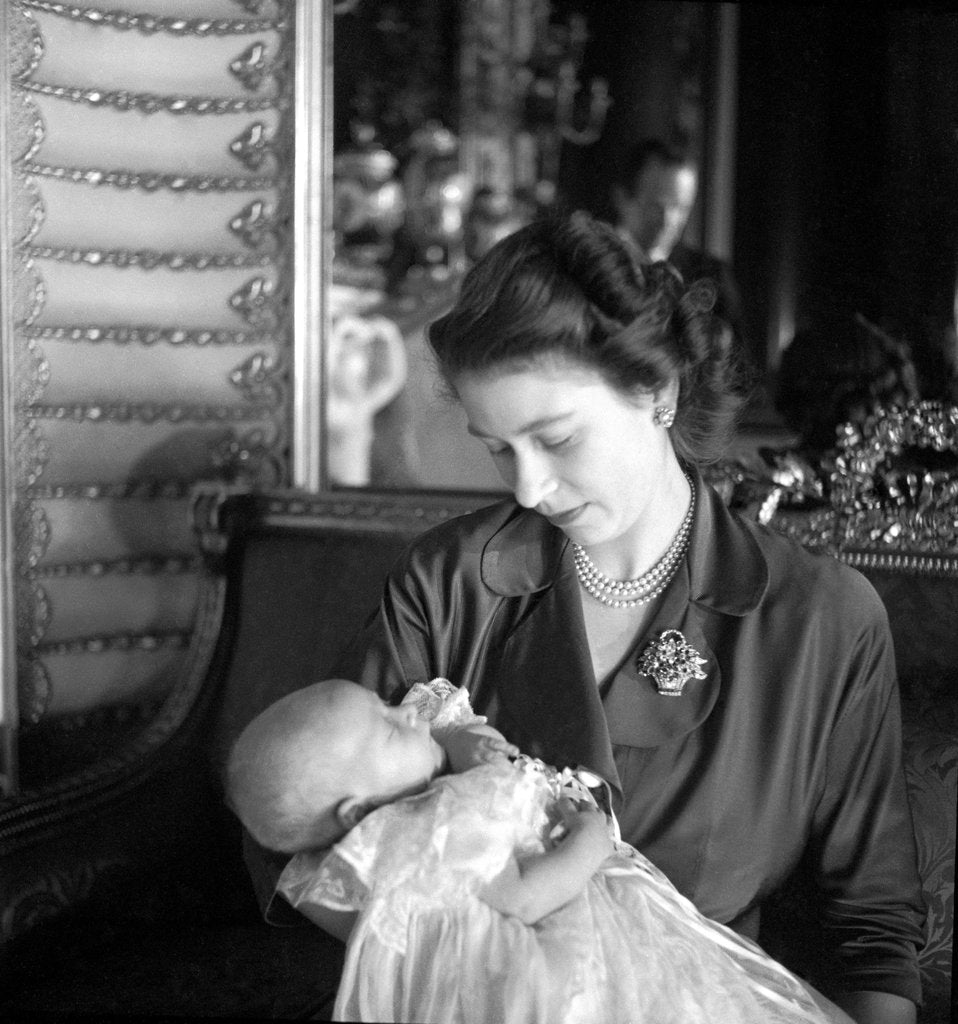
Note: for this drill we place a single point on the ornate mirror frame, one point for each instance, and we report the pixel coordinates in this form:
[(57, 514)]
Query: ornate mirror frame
[(312, 242), (8, 632)]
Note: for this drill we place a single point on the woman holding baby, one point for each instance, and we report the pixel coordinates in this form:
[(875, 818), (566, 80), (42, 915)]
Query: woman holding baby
[(736, 693)]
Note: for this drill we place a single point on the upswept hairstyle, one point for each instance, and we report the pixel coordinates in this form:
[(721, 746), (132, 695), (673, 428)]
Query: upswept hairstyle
[(572, 288)]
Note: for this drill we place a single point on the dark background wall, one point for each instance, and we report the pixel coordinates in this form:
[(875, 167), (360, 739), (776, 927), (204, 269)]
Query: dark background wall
[(847, 171), (846, 193), (655, 55)]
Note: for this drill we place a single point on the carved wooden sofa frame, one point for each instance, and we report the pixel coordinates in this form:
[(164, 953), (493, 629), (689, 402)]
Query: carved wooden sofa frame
[(123, 892)]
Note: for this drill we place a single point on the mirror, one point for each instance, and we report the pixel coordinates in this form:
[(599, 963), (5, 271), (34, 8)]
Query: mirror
[(453, 125), (828, 179)]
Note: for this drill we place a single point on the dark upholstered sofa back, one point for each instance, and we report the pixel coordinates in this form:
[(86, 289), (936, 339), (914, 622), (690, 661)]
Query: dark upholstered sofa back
[(300, 598)]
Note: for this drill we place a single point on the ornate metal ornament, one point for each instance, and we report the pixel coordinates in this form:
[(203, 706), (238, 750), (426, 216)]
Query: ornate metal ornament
[(249, 458), (34, 689), (865, 475), (255, 224), (252, 67), (31, 454), (252, 146), (32, 371), (259, 378), (671, 662), (256, 301), (24, 49), (893, 491), (33, 533)]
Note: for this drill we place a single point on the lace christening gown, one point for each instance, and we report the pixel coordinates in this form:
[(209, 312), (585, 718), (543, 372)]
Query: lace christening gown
[(426, 947)]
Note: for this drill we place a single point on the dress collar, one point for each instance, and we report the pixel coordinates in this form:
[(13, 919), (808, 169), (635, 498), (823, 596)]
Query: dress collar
[(727, 571), (524, 555)]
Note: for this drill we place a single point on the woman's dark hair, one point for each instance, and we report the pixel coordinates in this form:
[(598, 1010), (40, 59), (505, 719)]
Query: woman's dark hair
[(570, 287)]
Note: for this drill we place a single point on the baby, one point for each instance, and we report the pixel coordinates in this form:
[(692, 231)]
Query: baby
[(473, 883), (312, 765)]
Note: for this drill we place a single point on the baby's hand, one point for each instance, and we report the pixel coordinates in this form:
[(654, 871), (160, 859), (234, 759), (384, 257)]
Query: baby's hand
[(587, 820), (474, 745)]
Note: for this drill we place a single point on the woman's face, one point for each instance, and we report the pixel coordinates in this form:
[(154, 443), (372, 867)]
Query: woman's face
[(572, 447)]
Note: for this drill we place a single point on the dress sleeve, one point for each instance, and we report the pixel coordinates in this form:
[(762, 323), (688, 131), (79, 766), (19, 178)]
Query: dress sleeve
[(863, 842), (322, 878)]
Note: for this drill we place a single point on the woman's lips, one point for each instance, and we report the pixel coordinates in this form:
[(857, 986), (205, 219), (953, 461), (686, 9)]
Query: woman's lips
[(561, 519)]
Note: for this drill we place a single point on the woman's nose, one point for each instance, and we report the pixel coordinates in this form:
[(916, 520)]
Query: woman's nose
[(533, 481)]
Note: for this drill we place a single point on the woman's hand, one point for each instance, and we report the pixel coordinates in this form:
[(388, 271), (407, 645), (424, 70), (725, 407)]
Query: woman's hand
[(474, 745)]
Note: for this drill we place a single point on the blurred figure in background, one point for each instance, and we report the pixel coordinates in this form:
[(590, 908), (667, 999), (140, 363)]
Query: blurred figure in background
[(653, 198)]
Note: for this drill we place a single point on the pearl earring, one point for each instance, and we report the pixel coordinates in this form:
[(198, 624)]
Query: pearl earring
[(663, 416)]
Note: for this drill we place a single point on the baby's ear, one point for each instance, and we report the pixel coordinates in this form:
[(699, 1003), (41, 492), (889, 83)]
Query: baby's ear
[(350, 811)]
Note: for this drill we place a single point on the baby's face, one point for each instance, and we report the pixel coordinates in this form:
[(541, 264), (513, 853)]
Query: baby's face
[(388, 751)]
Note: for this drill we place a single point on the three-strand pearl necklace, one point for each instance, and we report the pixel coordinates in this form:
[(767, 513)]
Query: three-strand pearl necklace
[(644, 588)]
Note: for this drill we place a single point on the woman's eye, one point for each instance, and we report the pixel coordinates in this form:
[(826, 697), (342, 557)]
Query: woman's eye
[(553, 444)]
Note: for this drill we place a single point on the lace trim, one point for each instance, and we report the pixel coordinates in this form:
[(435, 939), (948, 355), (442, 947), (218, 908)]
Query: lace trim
[(444, 705)]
